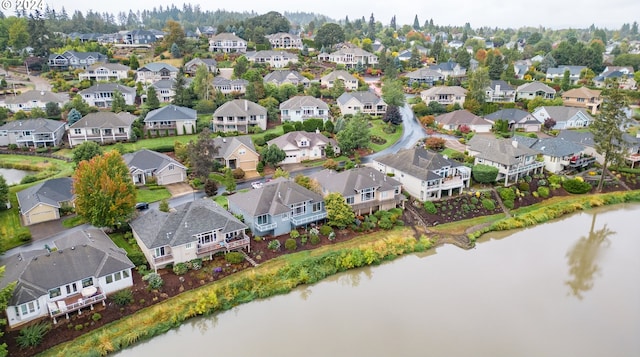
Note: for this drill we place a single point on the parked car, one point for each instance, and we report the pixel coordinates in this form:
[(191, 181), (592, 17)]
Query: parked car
[(257, 184), (140, 206)]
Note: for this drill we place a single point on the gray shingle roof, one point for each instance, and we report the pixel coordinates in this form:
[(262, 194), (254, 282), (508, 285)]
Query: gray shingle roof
[(448, 90), (573, 70), (294, 136), (51, 192), (502, 151), (281, 76), (239, 107), (220, 81), (349, 182), (424, 73), (361, 96), (81, 254), (171, 113), (109, 87), (461, 117), (111, 66), (38, 125), (339, 74), (512, 115), (36, 95), (157, 66), (226, 146), (418, 162), (105, 120), (226, 36), (159, 229), (300, 101), (149, 160), (273, 198), (535, 87), (555, 147), (562, 113), (577, 137), (503, 85)]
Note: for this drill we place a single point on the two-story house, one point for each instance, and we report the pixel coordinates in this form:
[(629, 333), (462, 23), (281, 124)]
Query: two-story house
[(557, 73), (70, 60), (350, 57), (535, 89), (500, 91), (191, 66), (229, 86), (192, 230), (278, 207), (444, 95), (624, 75), (101, 127), (301, 145), (37, 132), (34, 99), (239, 115), (275, 59), (105, 72), (512, 160), (583, 97), (425, 76), (365, 102), (156, 71), (565, 117), (280, 77), (165, 90), (172, 120), (558, 154), (302, 107), (138, 37), (365, 189), (285, 40), (350, 82), (76, 272), (227, 42), (424, 174), (101, 94), (449, 69), (459, 118)]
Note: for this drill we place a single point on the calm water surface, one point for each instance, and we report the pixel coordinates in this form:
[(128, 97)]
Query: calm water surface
[(566, 288), (13, 176)]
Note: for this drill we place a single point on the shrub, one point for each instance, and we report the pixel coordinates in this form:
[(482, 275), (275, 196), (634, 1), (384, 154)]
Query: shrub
[(234, 257), (489, 204), (260, 167), (238, 173), (304, 238), (180, 269), (506, 193), (32, 336), (314, 239), (543, 191), (291, 244), (509, 203), (523, 186), (484, 173), (196, 264), (274, 245), (154, 280), (24, 236), (430, 207), (79, 327), (96, 317), (123, 297), (332, 236), (294, 234), (542, 182), (28, 179), (385, 223), (473, 200), (576, 186), (325, 230)]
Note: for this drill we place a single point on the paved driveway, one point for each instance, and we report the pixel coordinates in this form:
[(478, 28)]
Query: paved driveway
[(179, 189), (46, 229)]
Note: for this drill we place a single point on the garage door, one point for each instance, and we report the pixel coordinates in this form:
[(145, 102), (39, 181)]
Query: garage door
[(42, 216), (171, 178)]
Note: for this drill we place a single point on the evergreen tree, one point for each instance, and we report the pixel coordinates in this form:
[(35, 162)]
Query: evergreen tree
[(133, 62), (152, 98), (416, 23), (175, 51), (118, 103), (202, 154), (355, 135), (73, 116), (4, 193), (339, 214)]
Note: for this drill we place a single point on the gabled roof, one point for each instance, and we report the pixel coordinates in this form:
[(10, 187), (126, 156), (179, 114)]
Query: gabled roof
[(164, 84), (80, 55), (275, 197), (148, 160), (293, 137), (356, 51), (512, 115), (350, 182), (361, 96), (503, 85), (448, 66), (577, 137), (280, 76), (36, 95), (199, 61), (109, 87), (109, 66), (562, 113), (226, 146), (339, 74), (158, 229), (418, 162), (239, 107), (582, 92), (424, 73), (51, 192), (303, 101), (226, 36), (535, 87), (171, 113), (502, 151), (157, 66), (461, 117), (220, 81), (444, 90), (573, 70), (270, 53), (554, 147), (105, 120), (81, 254), (38, 125)]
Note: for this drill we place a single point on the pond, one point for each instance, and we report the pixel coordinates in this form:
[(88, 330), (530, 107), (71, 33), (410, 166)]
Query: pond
[(13, 176), (565, 288)]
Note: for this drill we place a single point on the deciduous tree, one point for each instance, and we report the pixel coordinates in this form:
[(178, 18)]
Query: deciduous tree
[(339, 214), (4, 193), (273, 155), (355, 135), (328, 35), (86, 151), (118, 103), (393, 93)]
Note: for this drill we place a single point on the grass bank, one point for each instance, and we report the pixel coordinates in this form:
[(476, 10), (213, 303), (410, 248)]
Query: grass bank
[(378, 130)]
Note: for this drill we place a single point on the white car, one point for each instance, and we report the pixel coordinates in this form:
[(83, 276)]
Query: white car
[(257, 184)]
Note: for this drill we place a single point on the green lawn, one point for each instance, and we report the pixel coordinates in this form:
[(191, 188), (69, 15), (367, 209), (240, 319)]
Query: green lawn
[(156, 143), (46, 167), (121, 242), (73, 221), (449, 151), (221, 201), (321, 162), (377, 130), (146, 195)]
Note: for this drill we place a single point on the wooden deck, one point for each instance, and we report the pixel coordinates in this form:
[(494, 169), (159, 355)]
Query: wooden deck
[(74, 303)]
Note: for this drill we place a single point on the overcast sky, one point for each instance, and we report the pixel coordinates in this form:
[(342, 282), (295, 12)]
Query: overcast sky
[(495, 13)]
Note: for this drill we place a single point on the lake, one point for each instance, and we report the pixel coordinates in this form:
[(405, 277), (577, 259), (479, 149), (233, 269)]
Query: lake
[(566, 288), (13, 176)]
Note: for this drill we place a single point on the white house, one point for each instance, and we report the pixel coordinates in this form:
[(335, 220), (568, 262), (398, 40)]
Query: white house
[(300, 108), (227, 42), (101, 94), (34, 99), (444, 95), (565, 117), (301, 145), (105, 72), (275, 59), (459, 118)]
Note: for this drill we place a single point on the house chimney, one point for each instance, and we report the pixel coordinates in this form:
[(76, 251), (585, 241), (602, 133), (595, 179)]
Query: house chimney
[(246, 105), (514, 143)]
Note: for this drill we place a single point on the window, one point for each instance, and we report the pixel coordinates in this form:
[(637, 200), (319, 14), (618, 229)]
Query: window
[(77, 131), (120, 130), (285, 216), (125, 274), (263, 219), (159, 252), (350, 200), (30, 307), (171, 166), (298, 209), (317, 207), (71, 288), (188, 246), (87, 282), (383, 195), (54, 293), (367, 194), (242, 152), (109, 279)]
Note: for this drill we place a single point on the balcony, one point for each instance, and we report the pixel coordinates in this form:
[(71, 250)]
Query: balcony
[(300, 220), (452, 182), (516, 169), (212, 248), (265, 226), (581, 161), (74, 302), (160, 126), (163, 259)]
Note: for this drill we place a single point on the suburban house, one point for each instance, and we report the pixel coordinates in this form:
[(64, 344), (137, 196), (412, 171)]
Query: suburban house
[(424, 174), (165, 90), (558, 73), (70, 60), (228, 86), (459, 118), (237, 152), (444, 95), (365, 102), (33, 99), (138, 37), (105, 72), (206, 31), (275, 59), (239, 115), (301, 145), (193, 230), (565, 117), (78, 271), (144, 164), (101, 127), (624, 76), (500, 91), (156, 71), (449, 69), (278, 207), (101, 95), (350, 82), (42, 202), (425, 76), (558, 154), (535, 89), (285, 40), (171, 120), (513, 161), (518, 119), (585, 139), (350, 57), (583, 97), (281, 77), (32, 132), (191, 66), (227, 42), (302, 107), (365, 189)]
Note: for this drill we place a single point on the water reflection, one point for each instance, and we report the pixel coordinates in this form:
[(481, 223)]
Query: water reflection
[(583, 257)]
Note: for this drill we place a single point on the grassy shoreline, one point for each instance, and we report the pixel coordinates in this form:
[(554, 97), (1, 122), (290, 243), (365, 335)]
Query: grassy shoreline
[(281, 275)]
